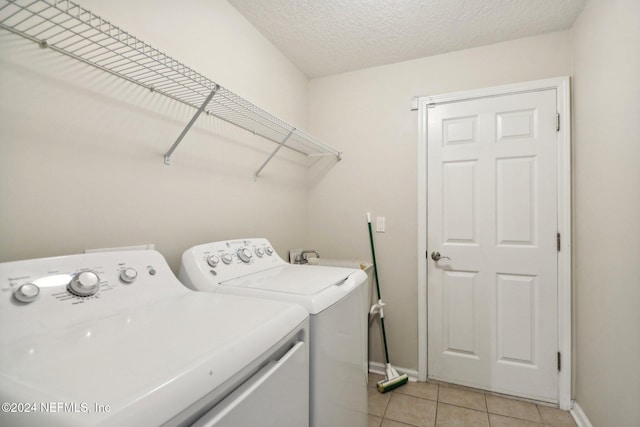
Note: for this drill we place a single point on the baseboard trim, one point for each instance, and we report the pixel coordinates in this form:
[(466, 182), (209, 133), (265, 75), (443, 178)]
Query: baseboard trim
[(579, 416), (379, 368)]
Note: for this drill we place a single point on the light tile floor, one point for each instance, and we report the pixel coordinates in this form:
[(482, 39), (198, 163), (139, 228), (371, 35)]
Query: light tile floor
[(430, 404)]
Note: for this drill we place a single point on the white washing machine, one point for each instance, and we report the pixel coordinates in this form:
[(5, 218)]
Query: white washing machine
[(336, 299), (114, 339)]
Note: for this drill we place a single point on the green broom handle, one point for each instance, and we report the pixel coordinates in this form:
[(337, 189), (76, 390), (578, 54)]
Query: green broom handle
[(375, 272)]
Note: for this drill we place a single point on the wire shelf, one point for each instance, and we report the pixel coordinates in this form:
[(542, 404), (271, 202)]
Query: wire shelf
[(68, 28)]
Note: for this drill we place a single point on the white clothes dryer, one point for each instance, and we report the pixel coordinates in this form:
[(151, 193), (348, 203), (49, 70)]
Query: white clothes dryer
[(114, 339), (336, 299)]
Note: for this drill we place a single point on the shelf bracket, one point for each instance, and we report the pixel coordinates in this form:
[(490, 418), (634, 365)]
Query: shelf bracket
[(167, 156), (273, 154)]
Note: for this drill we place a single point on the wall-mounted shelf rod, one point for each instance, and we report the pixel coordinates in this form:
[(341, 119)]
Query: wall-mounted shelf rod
[(273, 154), (66, 27), (167, 156)]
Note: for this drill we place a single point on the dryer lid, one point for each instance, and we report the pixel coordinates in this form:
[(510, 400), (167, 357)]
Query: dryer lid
[(147, 364)]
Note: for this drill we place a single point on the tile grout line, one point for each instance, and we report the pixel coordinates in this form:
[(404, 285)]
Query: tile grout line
[(539, 414), (435, 420), (385, 409), (463, 407), (486, 406)]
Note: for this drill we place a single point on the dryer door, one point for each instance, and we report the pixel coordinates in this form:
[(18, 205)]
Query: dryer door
[(267, 398)]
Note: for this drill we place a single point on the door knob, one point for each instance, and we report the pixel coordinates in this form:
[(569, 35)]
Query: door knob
[(437, 257)]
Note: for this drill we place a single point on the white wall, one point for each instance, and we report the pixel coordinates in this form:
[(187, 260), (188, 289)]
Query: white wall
[(367, 114), (81, 158), (81, 163), (606, 94)]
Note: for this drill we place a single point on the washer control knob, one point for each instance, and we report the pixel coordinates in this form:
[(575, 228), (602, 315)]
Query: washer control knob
[(213, 260), (27, 293), (84, 284), (128, 275), (268, 250), (259, 252), (244, 254), (227, 258)]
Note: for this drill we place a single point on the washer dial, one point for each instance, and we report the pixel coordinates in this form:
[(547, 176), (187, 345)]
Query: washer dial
[(244, 254), (227, 258), (259, 252), (84, 284), (269, 250), (213, 260), (27, 293), (128, 275)]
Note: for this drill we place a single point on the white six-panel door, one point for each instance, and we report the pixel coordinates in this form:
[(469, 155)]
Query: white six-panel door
[(492, 216)]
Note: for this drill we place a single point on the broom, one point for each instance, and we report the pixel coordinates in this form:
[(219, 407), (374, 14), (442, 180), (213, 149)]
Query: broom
[(392, 378)]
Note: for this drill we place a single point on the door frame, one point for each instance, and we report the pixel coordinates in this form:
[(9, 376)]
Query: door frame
[(562, 87)]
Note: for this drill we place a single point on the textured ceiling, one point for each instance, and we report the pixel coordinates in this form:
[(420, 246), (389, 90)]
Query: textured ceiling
[(324, 37)]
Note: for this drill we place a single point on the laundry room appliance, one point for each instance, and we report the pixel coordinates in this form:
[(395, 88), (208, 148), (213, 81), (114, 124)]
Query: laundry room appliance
[(336, 299), (114, 339)]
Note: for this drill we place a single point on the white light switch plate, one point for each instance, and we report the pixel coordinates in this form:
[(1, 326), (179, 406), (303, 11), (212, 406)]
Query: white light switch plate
[(380, 224)]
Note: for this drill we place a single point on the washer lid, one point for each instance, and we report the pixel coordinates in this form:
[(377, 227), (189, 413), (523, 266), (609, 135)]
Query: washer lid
[(293, 279)]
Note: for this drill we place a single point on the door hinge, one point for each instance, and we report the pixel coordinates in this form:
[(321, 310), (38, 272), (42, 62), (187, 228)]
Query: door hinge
[(559, 361), (557, 122), (558, 241)]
